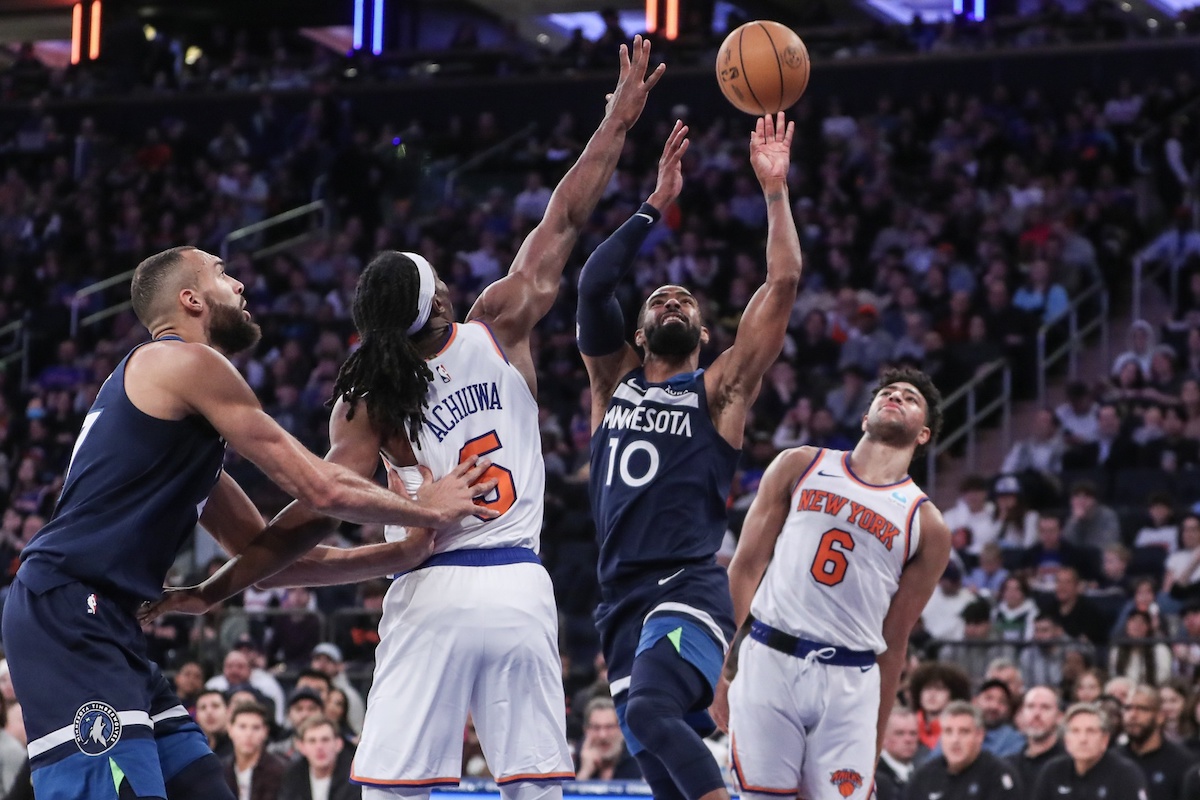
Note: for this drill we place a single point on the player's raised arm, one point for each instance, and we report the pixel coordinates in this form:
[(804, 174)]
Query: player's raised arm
[(917, 582), (764, 324), (600, 323), (227, 402), (515, 303)]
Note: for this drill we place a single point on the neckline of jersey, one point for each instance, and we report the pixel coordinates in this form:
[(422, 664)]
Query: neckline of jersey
[(851, 473)]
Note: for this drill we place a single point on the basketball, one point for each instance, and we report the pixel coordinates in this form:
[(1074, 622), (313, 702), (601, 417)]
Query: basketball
[(762, 67)]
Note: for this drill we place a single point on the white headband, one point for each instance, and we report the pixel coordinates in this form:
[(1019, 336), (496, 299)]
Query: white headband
[(424, 294)]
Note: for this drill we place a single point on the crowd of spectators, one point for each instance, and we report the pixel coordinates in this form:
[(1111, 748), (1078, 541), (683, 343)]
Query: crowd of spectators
[(940, 233)]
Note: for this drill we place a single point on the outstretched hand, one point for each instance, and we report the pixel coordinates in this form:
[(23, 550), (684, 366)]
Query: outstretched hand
[(771, 148), (626, 102), (183, 600), (453, 495), (670, 171)]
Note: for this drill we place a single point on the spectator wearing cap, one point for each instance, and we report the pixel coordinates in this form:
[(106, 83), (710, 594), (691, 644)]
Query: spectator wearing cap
[(869, 345), (303, 703), (1091, 523), (238, 668), (942, 616), (1018, 524), (974, 512), (995, 703)]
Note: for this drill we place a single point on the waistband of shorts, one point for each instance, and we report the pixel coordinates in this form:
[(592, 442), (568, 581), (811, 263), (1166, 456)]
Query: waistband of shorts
[(489, 557), (40, 577), (802, 648)]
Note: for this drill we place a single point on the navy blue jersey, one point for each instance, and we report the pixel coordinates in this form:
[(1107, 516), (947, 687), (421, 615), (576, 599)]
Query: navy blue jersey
[(660, 478), (134, 491)]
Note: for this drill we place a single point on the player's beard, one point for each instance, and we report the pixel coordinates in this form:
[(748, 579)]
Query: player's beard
[(229, 331), (892, 432), (672, 341)]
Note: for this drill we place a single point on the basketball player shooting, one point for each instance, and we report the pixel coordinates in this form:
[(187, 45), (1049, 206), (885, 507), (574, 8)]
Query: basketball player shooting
[(838, 556), (474, 610), (666, 438)]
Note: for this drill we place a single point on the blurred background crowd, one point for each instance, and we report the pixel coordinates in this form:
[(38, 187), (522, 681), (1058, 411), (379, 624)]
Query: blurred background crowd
[(945, 230)]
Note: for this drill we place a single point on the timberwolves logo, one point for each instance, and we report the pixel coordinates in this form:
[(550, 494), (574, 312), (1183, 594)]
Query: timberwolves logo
[(846, 781), (97, 728)]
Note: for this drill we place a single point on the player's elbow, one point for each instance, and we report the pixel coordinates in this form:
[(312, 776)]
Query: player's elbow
[(324, 494)]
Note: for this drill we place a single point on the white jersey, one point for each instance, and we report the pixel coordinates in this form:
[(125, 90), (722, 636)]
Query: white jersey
[(479, 404), (838, 559)]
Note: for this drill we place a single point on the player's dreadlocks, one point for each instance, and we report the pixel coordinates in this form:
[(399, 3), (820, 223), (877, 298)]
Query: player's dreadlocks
[(386, 371)]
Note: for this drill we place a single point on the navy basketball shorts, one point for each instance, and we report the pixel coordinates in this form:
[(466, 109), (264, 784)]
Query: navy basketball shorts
[(98, 713)]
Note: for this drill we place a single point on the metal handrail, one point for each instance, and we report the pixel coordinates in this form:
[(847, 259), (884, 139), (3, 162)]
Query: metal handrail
[(970, 425), (88, 291), (1076, 334), (19, 328), (484, 155), (270, 222)]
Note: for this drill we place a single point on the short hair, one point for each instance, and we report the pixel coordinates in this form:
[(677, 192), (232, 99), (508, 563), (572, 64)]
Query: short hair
[(316, 674), (598, 704), (901, 710), (207, 692), (315, 721), (923, 384), (1147, 689), (1000, 663), (1089, 708), (961, 708), (150, 278), (1086, 487), (977, 612), (250, 708)]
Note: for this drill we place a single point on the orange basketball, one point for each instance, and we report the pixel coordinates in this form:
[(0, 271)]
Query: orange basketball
[(762, 67)]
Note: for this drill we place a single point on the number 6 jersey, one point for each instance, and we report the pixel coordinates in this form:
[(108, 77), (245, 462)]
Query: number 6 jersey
[(660, 477), (839, 556), (480, 405)]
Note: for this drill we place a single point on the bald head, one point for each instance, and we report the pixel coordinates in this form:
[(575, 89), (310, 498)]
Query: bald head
[(157, 281)]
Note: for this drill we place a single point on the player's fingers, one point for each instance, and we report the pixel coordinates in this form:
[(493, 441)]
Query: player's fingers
[(654, 76), (476, 472), (484, 487), (780, 124), (787, 136), (768, 127), (465, 466), (683, 146), (624, 59)]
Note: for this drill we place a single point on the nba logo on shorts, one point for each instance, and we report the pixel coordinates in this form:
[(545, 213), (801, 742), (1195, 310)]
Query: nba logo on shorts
[(91, 604), (97, 728), (846, 780)]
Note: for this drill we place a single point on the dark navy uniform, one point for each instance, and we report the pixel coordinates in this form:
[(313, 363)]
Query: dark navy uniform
[(1110, 778), (660, 477), (99, 715)]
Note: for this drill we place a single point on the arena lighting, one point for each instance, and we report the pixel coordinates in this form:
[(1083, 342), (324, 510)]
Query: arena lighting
[(94, 50), (672, 19), (377, 29), (979, 10), (651, 15), (358, 23), (76, 33)]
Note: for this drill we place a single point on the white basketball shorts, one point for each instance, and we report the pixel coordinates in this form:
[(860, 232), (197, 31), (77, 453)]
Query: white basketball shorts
[(456, 640), (799, 726)]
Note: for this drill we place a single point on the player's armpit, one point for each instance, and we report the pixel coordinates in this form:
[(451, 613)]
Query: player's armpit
[(763, 524)]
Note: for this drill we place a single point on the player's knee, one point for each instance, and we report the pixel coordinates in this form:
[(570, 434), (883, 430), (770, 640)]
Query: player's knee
[(203, 779), (650, 719)]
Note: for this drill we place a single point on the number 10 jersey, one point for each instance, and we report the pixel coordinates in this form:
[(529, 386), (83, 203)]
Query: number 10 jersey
[(838, 559), (480, 404), (660, 478)]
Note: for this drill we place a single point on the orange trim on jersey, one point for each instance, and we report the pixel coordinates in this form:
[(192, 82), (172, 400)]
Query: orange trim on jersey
[(420, 782), (877, 487), (537, 776), (450, 341), (747, 787), (808, 470), (491, 337), (912, 515)]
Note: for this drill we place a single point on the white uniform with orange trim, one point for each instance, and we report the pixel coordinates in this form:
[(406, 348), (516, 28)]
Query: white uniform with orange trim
[(805, 722), (469, 632)]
